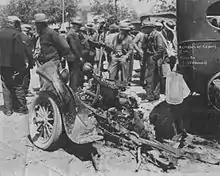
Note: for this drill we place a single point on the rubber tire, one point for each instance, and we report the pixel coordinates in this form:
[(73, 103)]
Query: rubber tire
[(52, 143)]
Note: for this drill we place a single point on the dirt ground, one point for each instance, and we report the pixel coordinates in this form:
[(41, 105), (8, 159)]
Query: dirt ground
[(18, 157)]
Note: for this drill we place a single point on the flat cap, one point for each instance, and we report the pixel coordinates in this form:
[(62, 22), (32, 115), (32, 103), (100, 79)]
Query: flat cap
[(40, 18), (147, 24), (124, 26), (26, 27), (158, 24), (76, 20), (83, 29), (13, 19), (89, 26), (113, 27)]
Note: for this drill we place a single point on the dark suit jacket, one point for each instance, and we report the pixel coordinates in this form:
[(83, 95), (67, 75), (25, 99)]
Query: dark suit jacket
[(12, 51), (75, 46), (53, 46)]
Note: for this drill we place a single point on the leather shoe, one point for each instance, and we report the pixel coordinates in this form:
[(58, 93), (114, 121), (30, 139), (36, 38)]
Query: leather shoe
[(8, 112), (21, 111)]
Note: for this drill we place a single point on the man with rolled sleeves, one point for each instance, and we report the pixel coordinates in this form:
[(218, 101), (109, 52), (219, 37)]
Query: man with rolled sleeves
[(122, 45), (157, 53), (13, 64), (141, 45)]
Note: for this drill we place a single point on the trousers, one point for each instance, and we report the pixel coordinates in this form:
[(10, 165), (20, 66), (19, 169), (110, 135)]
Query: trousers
[(119, 64), (13, 91), (152, 80), (26, 80), (131, 66), (76, 75)]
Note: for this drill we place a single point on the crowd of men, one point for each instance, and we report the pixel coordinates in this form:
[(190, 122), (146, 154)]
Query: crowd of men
[(22, 46)]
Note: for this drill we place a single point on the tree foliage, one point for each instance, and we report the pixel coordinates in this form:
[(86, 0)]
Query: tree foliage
[(110, 7), (163, 5), (25, 9)]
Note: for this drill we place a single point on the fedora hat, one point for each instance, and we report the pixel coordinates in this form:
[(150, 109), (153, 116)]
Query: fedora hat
[(40, 18), (77, 21), (126, 21), (89, 26), (124, 27), (26, 27), (83, 29), (132, 27), (147, 24), (13, 19), (113, 27), (158, 24), (170, 25)]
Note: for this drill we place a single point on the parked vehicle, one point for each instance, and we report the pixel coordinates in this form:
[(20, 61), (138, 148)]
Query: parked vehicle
[(198, 35), (163, 16)]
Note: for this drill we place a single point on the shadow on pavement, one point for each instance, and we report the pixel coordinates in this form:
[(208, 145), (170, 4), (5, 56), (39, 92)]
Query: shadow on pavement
[(1, 108), (193, 114), (83, 152)]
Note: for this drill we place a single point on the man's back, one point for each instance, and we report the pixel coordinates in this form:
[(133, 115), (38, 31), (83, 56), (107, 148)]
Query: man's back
[(75, 44), (11, 48), (139, 38), (156, 42), (53, 46), (6, 46)]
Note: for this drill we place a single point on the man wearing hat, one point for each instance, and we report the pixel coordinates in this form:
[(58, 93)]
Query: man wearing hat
[(92, 32), (113, 30), (92, 35), (12, 67), (157, 55), (25, 28), (74, 62), (122, 45), (52, 46), (141, 45), (169, 33), (96, 23)]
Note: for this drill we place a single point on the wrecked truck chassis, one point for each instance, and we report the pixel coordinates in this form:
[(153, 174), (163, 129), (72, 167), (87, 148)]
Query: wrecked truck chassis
[(58, 109)]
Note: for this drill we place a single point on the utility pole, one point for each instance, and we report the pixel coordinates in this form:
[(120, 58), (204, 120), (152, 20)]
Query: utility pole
[(116, 9), (63, 11)]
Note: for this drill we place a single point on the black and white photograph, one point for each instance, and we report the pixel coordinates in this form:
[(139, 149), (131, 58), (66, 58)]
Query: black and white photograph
[(109, 87)]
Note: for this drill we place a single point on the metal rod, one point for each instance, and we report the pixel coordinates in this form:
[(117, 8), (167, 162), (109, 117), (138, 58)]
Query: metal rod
[(63, 11), (116, 6)]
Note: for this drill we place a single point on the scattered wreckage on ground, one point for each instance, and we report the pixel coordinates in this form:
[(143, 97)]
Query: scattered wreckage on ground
[(102, 108), (90, 114)]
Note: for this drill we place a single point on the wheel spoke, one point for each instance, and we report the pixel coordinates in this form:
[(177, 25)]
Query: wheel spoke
[(49, 125), (46, 132), (40, 112), (39, 127), (48, 112), (41, 132), (50, 119)]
